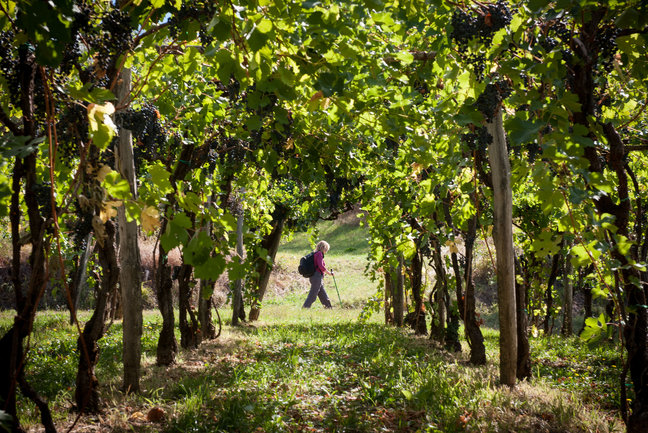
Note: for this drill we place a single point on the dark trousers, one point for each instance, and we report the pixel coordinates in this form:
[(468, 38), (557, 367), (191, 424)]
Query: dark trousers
[(317, 291)]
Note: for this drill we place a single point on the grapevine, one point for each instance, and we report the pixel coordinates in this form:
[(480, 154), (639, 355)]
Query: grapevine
[(481, 23), (491, 98), (479, 139)]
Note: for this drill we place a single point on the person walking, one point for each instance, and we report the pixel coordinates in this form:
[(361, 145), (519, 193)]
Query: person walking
[(316, 280)]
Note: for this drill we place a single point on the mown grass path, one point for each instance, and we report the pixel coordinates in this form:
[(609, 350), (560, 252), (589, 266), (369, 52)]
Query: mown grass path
[(314, 370)]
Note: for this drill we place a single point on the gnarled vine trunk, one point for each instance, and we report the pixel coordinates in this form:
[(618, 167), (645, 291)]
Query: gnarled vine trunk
[(270, 243), (86, 394), (471, 326), (438, 298), (553, 275), (568, 298), (398, 295), (416, 272), (190, 335), (11, 344), (524, 349), (635, 283), (207, 328), (389, 289), (237, 295), (167, 346)]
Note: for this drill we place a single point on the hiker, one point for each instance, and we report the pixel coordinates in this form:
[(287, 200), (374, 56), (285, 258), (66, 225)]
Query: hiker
[(317, 286)]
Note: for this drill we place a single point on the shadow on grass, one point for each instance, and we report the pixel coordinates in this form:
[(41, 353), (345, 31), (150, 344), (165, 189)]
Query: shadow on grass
[(326, 377)]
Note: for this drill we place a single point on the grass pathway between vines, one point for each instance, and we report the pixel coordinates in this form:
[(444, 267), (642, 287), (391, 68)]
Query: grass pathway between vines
[(323, 371), (311, 371)]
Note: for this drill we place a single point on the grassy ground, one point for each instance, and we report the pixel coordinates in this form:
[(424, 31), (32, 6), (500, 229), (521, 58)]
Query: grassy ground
[(321, 370)]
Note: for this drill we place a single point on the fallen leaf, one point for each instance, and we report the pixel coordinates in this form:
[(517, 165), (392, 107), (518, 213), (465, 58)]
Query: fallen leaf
[(155, 415)]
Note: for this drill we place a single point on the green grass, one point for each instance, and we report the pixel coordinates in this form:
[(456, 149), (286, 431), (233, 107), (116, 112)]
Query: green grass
[(322, 370)]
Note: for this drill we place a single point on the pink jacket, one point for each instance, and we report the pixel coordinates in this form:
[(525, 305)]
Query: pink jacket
[(319, 262)]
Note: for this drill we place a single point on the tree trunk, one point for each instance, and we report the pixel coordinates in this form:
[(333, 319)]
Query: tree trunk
[(207, 328), (205, 294), (79, 282), (167, 346), (87, 392), (237, 295), (189, 328), (389, 289), (471, 325), (398, 295), (437, 328), (503, 237), (129, 254), (270, 243), (524, 349), (453, 257), (11, 345), (553, 275), (419, 325), (568, 302), (587, 295)]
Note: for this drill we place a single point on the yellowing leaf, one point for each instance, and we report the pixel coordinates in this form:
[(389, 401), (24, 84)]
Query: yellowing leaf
[(109, 210), (102, 128), (150, 219), (94, 109), (103, 172), (453, 247)]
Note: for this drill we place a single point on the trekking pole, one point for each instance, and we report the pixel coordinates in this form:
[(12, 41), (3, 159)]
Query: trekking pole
[(336, 288)]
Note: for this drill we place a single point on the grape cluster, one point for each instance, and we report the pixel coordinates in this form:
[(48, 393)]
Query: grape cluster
[(548, 43), (481, 23), (81, 24), (533, 150), (489, 101), (9, 64), (606, 42), (205, 37), (235, 152), (117, 37), (561, 30), (7, 61), (197, 11), (81, 228), (464, 28), (562, 35), (499, 15), (43, 194), (478, 140), (146, 128), (478, 62), (72, 128)]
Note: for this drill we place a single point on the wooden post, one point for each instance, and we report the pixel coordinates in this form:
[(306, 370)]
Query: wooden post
[(129, 253), (237, 296), (503, 238)]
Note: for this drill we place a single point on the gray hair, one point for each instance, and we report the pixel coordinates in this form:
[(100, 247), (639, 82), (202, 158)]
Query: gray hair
[(322, 246)]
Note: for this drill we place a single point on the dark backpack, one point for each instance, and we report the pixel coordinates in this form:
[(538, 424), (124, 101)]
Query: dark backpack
[(307, 265)]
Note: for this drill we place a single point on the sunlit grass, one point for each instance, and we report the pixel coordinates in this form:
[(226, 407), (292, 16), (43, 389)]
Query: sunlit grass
[(322, 370)]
